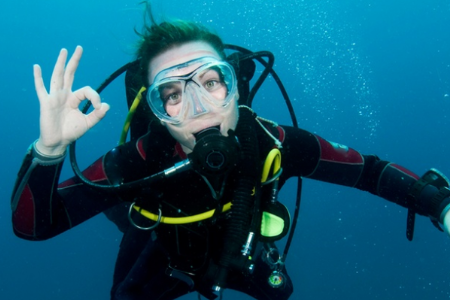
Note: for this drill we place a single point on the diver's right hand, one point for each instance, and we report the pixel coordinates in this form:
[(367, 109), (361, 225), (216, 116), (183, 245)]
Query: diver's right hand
[(61, 121)]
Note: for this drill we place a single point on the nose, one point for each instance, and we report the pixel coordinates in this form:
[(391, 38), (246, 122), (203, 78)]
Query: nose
[(194, 96)]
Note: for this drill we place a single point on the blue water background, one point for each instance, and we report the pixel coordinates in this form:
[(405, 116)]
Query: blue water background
[(374, 75)]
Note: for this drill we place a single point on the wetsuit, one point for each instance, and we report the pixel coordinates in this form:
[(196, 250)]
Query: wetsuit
[(170, 261)]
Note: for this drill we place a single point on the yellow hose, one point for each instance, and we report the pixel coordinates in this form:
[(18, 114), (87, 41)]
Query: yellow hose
[(126, 125)]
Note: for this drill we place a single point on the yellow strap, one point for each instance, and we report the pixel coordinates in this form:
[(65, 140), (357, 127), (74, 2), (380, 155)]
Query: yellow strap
[(181, 220), (126, 125), (273, 159)]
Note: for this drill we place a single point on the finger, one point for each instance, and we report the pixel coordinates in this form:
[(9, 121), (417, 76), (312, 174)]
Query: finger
[(82, 94), (41, 91), (100, 108), (95, 116), (92, 96), (71, 68), (57, 79), (447, 222)]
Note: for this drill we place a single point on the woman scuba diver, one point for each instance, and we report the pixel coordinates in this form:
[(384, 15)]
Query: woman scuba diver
[(211, 222)]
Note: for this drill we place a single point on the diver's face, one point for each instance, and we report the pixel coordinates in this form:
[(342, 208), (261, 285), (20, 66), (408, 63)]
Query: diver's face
[(224, 117)]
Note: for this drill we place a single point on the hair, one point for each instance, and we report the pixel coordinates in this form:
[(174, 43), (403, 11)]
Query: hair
[(157, 38)]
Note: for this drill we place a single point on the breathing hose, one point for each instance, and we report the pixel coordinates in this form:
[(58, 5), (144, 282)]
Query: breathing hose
[(239, 226)]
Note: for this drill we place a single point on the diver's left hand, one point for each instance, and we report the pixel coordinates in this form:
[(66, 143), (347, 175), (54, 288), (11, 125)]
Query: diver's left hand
[(447, 222)]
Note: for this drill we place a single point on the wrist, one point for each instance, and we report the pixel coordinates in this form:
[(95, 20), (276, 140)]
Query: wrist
[(446, 222), (445, 206), (49, 152)]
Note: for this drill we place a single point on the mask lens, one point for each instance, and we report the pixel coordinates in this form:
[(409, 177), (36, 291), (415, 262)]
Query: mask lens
[(212, 80), (171, 96), (165, 98), (174, 97)]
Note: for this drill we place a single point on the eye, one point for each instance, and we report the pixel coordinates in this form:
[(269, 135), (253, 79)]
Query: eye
[(211, 79), (172, 99), (211, 84), (170, 93)]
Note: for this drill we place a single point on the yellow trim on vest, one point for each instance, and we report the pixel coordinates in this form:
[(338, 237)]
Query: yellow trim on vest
[(181, 220)]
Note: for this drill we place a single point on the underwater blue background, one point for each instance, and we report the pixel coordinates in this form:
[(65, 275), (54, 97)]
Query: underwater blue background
[(373, 75)]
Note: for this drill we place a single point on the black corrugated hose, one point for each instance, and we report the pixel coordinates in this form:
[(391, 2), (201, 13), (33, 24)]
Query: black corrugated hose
[(242, 209)]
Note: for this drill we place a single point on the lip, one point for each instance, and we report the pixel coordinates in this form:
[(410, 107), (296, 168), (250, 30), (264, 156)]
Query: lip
[(215, 128), (218, 126), (203, 122)]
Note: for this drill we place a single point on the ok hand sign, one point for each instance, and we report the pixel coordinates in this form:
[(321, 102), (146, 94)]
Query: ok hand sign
[(61, 121)]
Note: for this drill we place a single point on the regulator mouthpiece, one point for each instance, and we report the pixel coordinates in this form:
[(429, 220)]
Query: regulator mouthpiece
[(214, 154)]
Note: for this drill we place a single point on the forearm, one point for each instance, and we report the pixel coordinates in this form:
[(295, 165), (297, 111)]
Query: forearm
[(401, 186), (35, 204), (42, 208), (427, 195)]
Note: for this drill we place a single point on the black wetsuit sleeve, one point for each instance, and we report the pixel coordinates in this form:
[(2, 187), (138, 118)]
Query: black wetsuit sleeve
[(42, 208), (310, 156)]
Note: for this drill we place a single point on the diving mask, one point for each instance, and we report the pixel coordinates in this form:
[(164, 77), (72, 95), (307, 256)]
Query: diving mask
[(191, 89)]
